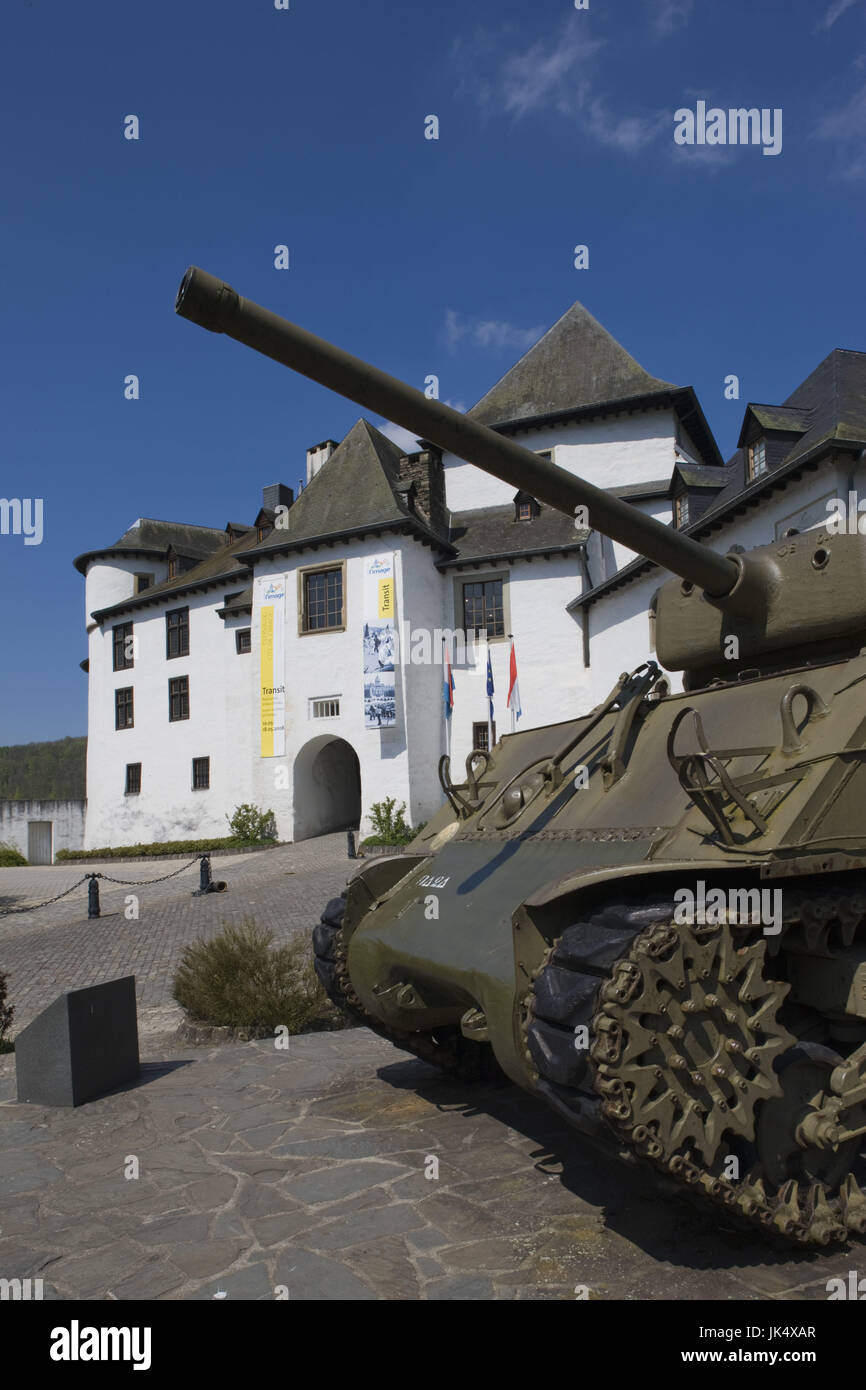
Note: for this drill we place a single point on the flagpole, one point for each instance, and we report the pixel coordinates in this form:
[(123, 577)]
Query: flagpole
[(447, 720), (511, 706), (446, 678), (489, 708)]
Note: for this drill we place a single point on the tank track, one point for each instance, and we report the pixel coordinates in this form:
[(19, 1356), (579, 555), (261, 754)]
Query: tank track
[(635, 981), (446, 1048)]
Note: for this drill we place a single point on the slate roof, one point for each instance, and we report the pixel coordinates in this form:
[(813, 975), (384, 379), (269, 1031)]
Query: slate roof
[(154, 539), (693, 475), (491, 533), (835, 396), (358, 489), (577, 363), (830, 403), (237, 603), (634, 492), (221, 566), (788, 419)]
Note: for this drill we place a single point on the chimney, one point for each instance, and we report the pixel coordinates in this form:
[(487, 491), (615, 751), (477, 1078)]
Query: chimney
[(424, 469), (318, 455), (277, 495)]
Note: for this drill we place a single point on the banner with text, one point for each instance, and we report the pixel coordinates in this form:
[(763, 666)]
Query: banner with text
[(272, 668), (380, 710)]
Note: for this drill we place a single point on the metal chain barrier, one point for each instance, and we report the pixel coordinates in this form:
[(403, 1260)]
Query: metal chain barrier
[(140, 882), (206, 885), (9, 911)]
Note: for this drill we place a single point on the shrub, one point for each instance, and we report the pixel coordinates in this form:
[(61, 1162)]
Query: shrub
[(390, 824), (252, 825), (10, 857), (238, 979), (6, 1015)]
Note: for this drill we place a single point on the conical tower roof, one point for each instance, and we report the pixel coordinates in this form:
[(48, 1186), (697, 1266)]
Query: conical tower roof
[(357, 487), (577, 364)]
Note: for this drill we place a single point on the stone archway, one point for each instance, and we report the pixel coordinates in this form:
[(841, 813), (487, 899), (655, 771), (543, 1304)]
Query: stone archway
[(327, 787)]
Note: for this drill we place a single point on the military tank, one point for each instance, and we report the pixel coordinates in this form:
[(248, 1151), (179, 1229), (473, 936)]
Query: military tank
[(651, 915)]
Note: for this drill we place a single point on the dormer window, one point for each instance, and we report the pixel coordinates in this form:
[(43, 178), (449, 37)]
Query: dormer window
[(525, 507), (682, 510), (172, 567), (757, 458)]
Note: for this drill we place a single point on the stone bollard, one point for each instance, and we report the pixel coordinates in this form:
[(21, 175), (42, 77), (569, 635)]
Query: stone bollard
[(93, 896)]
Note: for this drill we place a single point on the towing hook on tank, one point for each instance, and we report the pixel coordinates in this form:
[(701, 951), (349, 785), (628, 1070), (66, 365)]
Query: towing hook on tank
[(404, 995), (816, 708), (465, 797)]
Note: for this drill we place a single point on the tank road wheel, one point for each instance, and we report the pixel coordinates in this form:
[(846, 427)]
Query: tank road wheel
[(804, 1074), (325, 938), (446, 1048), (695, 1070)]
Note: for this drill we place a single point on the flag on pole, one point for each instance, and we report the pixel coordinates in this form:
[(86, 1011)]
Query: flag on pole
[(513, 687), (489, 702), (447, 683)]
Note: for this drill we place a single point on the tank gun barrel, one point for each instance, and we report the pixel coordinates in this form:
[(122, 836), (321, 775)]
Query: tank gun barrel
[(214, 305)]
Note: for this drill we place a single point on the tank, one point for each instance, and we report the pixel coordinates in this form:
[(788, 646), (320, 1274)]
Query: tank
[(651, 915)]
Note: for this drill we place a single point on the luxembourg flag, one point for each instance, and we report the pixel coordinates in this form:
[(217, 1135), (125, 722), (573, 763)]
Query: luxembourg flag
[(513, 686), (447, 683)]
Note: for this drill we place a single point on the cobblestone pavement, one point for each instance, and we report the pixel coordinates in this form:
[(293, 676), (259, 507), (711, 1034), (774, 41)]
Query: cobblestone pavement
[(309, 1173), (53, 949)]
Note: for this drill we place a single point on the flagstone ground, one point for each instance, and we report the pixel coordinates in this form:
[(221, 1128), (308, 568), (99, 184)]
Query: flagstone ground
[(307, 1173)]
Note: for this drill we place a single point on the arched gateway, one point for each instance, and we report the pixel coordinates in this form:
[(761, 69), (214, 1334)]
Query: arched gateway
[(327, 787)]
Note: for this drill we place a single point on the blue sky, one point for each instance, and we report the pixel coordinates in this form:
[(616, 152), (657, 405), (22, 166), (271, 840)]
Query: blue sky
[(306, 127)]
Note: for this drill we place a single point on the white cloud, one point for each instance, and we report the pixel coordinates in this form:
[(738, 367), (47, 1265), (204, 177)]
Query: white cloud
[(674, 14), (710, 157), (628, 133), (550, 73), (836, 10), (846, 128), (488, 333), (404, 439), (560, 74)]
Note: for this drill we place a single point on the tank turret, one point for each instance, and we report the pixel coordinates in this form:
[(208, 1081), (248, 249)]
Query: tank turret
[(651, 915)]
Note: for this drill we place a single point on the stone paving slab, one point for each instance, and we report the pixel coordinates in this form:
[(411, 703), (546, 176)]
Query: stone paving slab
[(342, 1169)]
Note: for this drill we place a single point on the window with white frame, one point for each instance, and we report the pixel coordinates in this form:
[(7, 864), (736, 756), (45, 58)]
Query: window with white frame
[(325, 707)]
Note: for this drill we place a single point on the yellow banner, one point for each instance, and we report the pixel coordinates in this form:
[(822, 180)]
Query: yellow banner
[(267, 682), (386, 598)]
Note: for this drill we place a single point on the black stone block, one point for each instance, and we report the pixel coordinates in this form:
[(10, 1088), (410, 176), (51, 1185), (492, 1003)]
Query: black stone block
[(82, 1045)]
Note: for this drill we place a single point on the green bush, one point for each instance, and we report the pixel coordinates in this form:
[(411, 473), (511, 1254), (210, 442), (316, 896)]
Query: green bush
[(390, 823), (10, 857), (238, 979), (252, 825), (6, 1015)]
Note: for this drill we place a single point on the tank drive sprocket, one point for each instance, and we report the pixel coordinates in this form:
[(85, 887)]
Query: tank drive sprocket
[(694, 1069), (446, 1048)]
